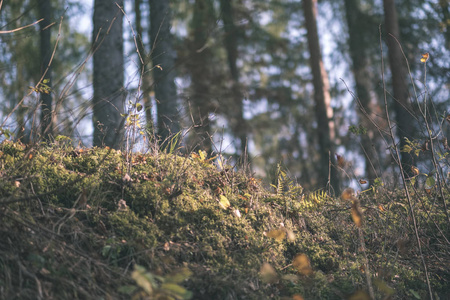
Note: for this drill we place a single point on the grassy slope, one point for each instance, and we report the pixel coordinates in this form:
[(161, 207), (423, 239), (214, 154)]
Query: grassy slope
[(66, 234)]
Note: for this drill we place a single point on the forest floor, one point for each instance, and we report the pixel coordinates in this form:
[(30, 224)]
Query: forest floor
[(100, 224)]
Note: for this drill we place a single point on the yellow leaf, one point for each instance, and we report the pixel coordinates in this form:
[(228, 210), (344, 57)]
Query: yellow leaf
[(425, 57), (268, 273), (415, 170), (277, 234), (223, 202), (381, 208), (302, 264), (297, 297)]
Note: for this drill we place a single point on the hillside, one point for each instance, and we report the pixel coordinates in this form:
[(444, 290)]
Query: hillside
[(100, 224)]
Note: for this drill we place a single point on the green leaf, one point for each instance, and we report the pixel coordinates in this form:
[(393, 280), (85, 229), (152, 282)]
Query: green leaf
[(143, 279), (178, 276), (138, 106), (430, 181), (106, 250), (417, 296), (127, 289), (178, 291)]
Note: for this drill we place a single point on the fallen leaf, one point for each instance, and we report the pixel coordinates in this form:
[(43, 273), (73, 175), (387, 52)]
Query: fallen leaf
[(359, 295), (348, 194), (268, 273), (357, 214), (277, 234), (302, 264), (223, 202)]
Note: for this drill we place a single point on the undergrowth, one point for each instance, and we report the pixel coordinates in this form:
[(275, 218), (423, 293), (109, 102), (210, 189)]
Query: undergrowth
[(98, 224)]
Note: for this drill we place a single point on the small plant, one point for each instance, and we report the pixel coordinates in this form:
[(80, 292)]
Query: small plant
[(158, 287)]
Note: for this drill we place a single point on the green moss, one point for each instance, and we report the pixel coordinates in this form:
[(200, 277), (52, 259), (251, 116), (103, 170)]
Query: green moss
[(162, 212)]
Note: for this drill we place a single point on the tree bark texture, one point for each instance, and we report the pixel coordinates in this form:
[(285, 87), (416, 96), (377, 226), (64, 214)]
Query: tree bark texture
[(109, 94), (199, 65), (322, 99), (402, 105), (368, 107), (45, 12), (163, 59), (238, 123)]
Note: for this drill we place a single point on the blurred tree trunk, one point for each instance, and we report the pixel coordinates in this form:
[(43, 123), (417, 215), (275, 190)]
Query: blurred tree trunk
[(109, 93), (367, 106), (402, 107), (238, 123), (199, 66), (445, 10), (322, 99), (143, 66), (45, 12), (163, 59)]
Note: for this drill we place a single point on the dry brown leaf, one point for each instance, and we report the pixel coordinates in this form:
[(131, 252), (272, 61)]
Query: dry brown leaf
[(359, 295), (302, 264), (277, 234), (348, 194), (415, 171), (340, 160), (357, 214)]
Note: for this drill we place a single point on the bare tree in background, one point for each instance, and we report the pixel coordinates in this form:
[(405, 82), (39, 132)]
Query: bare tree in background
[(108, 73), (322, 99)]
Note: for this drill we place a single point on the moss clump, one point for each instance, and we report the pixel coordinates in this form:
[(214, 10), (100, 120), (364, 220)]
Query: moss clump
[(76, 221)]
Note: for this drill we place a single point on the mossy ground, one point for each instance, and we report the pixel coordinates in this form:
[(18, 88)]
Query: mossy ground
[(76, 223)]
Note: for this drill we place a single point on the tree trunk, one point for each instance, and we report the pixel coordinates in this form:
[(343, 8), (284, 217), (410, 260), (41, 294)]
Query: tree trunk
[(109, 93), (45, 12), (238, 123), (199, 66), (163, 58), (367, 106), (322, 99), (402, 106), (445, 10), (143, 67)]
